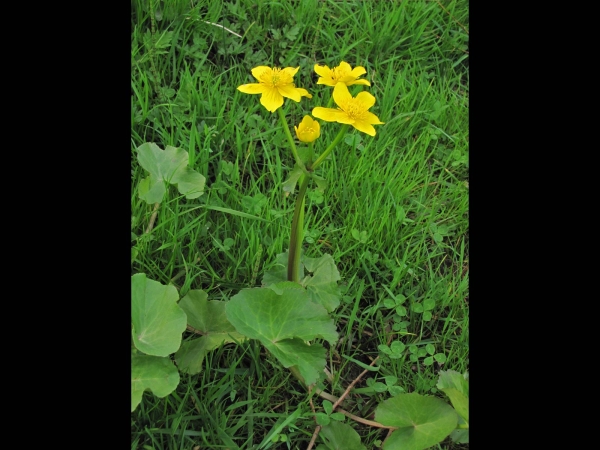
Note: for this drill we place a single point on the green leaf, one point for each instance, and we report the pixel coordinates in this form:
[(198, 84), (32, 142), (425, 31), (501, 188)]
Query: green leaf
[(456, 387), (278, 272), (169, 166), (389, 303), (460, 436), (422, 421), (428, 361), (427, 316), (428, 304), (290, 184), (322, 285), (158, 321), (395, 390), (417, 307), (327, 406), (440, 357), (151, 372), (379, 387), (401, 311), (283, 322), (322, 419), (320, 182), (390, 380), (341, 436), (337, 416), (209, 318), (254, 204), (397, 347), (384, 349), (430, 349)]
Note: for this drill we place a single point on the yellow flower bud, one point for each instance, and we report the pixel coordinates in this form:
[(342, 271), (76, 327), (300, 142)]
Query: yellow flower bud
[(308, 130)]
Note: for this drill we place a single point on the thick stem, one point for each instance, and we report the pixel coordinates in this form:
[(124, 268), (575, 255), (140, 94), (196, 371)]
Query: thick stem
[(293, 273), (329, 149), (290, 139)]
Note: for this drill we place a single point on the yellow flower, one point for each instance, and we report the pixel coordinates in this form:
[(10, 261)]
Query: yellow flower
[(352, 110), (342, 73), (274, 84), (308, 130)]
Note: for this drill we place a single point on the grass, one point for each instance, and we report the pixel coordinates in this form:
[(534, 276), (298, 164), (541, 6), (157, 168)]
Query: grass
[(407, 188)]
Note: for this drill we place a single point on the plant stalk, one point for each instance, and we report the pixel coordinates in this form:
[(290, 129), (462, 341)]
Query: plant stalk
[(296, 236)]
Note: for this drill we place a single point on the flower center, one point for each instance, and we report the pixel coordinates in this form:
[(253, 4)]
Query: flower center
[(353, 108), (338, 73), (275, 77)]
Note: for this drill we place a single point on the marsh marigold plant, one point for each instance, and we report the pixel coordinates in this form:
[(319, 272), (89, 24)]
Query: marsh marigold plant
[(344, 73), (274, 84), (351, 110)]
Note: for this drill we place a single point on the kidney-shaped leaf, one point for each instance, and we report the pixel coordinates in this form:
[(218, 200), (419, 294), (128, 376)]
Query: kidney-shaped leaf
[(282, 321), (158, 321), (154, 373), (207, 317), (169, 165), (322, 285), (421, 421), (340, 436), (456, 387)]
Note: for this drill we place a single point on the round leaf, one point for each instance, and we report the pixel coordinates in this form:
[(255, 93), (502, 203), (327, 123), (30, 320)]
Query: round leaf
[(154, 373), (341, 436), (422, 421), (158, 321)]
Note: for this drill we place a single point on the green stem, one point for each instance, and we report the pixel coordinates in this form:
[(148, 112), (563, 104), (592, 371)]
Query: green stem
[(286, 130), (293, 273), (329, 149)]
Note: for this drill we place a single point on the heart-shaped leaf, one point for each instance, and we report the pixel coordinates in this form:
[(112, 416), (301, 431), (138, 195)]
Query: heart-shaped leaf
[(158, 321), (421, 421), (207, 317), (283, 322), (456, 387), (321, 285), (154, 373), (169, 166), (340, 436)]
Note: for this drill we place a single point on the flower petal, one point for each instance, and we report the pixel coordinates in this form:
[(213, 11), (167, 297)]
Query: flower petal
[(345, 67), (358, 71), (271, 99), (365, 99), (291, 71), (365, 82), (371, 118), (303, 92), (341, 94), (260, 70), (364, 127), (331, 115), (326, 81), (289, 91), (323, 71), (252, 88)]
